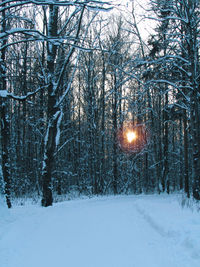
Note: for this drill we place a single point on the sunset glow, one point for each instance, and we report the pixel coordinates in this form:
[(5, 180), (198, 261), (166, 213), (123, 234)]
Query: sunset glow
[(131, 136)]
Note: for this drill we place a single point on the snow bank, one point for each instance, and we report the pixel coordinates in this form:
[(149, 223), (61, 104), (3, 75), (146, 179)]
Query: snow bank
[(123, 231), (179, 225)]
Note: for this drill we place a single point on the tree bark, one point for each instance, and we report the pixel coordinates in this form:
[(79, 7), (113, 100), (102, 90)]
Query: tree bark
[(53, 112), (5, 131)]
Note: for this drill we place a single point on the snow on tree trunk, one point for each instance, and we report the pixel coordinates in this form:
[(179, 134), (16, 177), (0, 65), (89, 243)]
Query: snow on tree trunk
[(4, 144), (53, 112), (193, 54), (4, 115)]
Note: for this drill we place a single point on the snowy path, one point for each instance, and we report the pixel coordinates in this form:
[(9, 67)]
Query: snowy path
[(134, 231)]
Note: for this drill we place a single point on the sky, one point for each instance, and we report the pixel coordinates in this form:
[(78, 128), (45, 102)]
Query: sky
[(141, 7)]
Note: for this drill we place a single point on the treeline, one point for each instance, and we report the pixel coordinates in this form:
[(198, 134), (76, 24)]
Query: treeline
[(70, 76)]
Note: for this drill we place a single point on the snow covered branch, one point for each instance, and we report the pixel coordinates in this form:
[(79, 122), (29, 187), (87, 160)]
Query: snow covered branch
[(93, 4), (6, 94)]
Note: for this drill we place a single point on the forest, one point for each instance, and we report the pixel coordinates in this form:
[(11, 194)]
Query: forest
[(74, 74)]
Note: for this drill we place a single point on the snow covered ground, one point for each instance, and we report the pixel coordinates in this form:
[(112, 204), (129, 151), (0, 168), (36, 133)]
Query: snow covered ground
[(122, 231)]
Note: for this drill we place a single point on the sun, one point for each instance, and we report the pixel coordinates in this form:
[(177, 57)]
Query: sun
[(132, 138), (130, 135)]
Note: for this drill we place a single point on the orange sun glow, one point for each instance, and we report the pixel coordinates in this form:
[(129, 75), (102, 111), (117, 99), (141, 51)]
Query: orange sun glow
[(130, 135), (132, 138)]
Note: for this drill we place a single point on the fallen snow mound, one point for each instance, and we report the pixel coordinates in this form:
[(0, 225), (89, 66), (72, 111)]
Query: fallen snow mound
[(123, 231)]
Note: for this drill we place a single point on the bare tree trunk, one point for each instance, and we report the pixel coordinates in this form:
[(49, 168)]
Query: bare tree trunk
[(186, 175), (5, 131), (102, 170), (115, 169), (193, 55), (166, 148), (53, 112)]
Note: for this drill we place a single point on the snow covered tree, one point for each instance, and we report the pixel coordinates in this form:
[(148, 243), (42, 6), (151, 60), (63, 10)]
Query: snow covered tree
[(192, 35), (181, 78), (55, 99)]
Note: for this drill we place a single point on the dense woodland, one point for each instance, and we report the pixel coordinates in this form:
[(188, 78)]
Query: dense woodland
[(72, 72)]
